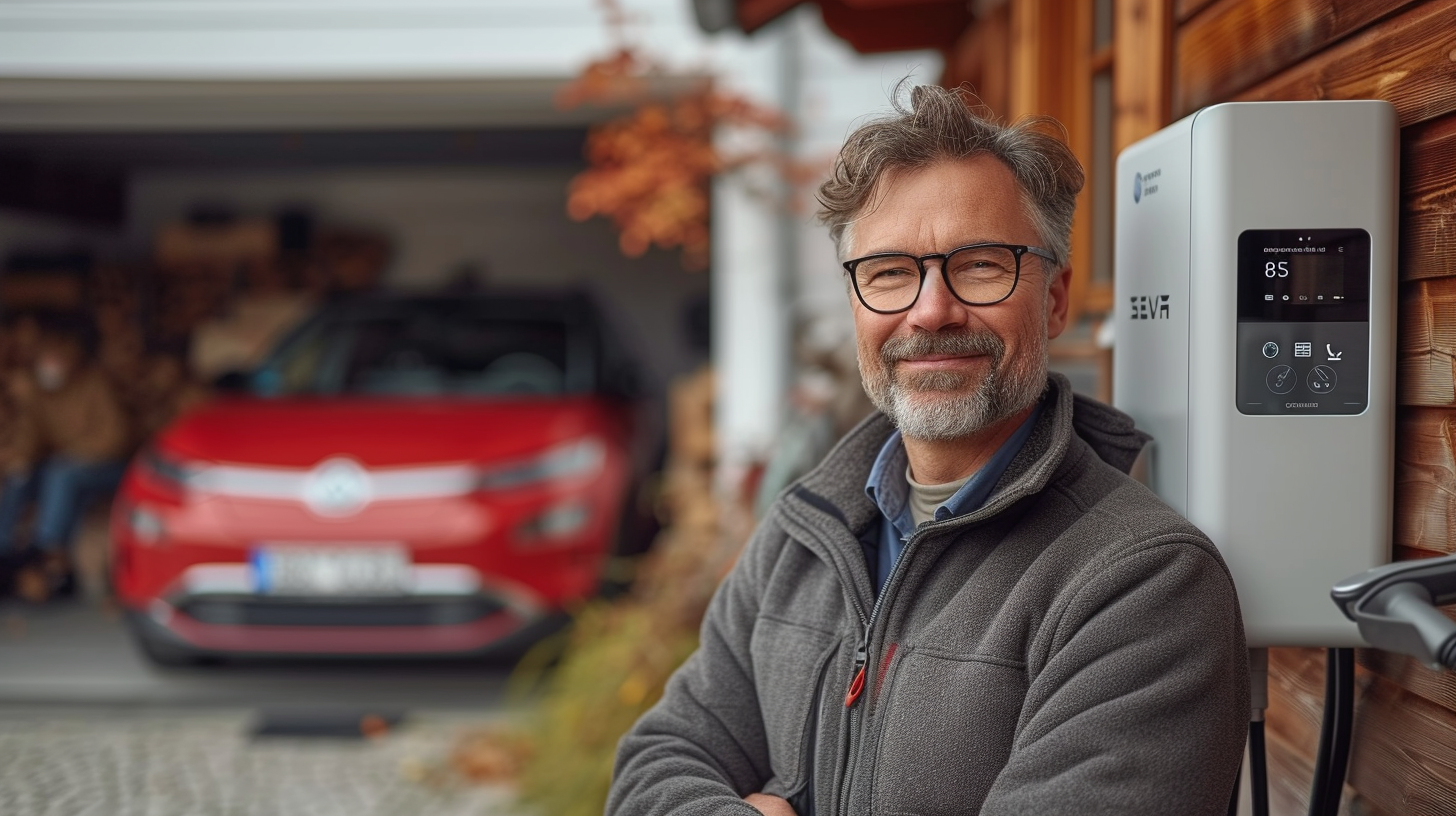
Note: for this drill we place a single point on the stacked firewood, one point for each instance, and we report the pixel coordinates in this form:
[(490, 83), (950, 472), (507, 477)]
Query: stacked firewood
[(214, 296)]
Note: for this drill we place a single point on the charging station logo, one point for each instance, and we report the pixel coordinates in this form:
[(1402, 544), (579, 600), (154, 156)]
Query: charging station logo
[(1145, 184), (1150, 307)]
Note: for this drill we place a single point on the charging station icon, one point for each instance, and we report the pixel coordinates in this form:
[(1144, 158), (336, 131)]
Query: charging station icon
[(1281, 379)]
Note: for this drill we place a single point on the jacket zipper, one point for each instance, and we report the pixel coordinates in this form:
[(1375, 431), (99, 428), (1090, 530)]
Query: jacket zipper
[(856, 685), (851, 722)]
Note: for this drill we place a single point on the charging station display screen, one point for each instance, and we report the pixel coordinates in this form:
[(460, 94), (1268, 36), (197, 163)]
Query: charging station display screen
[(1312, 279), (1304, 275), (1304, 322)]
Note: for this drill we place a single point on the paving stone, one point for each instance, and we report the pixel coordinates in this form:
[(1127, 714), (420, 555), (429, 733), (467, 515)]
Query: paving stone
[(78, 763)]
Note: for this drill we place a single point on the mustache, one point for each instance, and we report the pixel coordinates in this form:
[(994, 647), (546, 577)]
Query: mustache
[(963, 342)]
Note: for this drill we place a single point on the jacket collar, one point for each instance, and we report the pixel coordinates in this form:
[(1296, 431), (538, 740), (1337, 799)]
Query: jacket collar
[(836, 487), (827, 510)]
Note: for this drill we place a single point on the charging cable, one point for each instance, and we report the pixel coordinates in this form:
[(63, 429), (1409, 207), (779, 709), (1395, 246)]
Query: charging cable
[(1258, 763), (1333, 758), (1334, 745)]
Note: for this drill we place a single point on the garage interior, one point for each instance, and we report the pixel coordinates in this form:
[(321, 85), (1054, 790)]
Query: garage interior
[(195, 222)]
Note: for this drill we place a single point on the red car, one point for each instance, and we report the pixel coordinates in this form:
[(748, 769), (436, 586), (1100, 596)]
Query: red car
[(416, 476)]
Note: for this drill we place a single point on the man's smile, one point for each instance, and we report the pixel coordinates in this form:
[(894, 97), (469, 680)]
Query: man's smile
[(939, 362), (941, 359)]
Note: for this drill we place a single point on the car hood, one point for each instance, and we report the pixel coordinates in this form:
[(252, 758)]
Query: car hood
[(379, 433)]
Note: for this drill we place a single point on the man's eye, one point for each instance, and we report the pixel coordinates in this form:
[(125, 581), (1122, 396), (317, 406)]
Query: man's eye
[(888, 272), (980, 267), (886, 275)]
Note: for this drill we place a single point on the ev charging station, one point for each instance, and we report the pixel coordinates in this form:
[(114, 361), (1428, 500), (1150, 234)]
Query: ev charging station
[(1255, 340)]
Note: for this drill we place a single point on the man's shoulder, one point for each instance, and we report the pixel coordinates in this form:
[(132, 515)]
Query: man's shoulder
[(1110, 509)]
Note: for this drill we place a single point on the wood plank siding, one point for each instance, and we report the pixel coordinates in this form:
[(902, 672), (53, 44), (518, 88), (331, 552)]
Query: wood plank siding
[(1235, 43), (1425, 479), (1404, 755), (1406, 60), (1140, 53), (1428, 198)]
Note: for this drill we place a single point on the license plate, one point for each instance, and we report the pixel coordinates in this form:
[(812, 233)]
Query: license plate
[(330, 571)]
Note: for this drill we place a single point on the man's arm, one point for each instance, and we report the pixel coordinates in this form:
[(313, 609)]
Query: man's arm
[(1141, 704), (702, 748)]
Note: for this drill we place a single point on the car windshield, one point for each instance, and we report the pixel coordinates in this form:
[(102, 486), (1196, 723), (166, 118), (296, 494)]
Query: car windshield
[(422, 352)]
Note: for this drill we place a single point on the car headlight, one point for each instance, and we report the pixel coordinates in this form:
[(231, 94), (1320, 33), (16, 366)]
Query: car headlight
[(573, 460), (556, 523), (167, 469), (146, 526)]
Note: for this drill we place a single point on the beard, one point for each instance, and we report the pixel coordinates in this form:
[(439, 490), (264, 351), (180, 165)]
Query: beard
[(943, 405)]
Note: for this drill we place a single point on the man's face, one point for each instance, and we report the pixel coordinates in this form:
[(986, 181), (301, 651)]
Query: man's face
[(943, 369)]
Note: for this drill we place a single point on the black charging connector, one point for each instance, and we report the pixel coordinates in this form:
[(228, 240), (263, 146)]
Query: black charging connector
[(1395, 608)]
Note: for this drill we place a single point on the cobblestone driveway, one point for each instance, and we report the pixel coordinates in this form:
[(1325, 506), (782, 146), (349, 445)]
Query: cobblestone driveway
[(105, 763)]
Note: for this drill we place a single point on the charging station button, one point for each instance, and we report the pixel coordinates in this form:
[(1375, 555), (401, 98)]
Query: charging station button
[(1281, 379), (1322, 379)]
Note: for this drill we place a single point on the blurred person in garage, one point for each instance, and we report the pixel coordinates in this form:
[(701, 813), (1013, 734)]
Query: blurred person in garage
[(968, 606), (17, 457), (70, 450)]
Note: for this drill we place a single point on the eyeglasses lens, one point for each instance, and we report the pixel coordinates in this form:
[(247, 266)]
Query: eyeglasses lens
[(976, 275)]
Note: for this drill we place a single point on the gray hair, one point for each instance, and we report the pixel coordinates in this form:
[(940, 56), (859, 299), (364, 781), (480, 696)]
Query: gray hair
[(941, 125)]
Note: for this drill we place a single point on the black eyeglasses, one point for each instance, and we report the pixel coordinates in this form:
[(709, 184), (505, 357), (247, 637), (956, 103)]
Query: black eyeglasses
[(978, 275)]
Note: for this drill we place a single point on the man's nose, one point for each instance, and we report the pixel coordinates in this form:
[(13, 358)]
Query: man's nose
[(937, 307)]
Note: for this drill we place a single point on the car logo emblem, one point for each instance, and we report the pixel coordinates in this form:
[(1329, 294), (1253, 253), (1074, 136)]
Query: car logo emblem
[(337, 487)]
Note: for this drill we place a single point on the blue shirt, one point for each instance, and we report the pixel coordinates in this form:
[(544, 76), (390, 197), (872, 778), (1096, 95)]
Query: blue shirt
[(890, 491)]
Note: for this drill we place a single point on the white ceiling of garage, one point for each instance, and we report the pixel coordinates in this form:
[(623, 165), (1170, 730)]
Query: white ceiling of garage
[(223, 105)]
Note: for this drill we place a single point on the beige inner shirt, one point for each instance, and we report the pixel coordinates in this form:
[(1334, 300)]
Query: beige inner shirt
[(925, 498)]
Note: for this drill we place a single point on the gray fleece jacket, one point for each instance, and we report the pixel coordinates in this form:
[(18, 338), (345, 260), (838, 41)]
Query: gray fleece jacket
[(1073, 647)]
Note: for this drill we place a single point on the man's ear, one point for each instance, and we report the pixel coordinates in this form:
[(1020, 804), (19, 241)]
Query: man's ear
[(1058, 302)]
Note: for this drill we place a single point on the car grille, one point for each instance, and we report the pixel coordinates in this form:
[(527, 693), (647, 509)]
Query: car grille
[(253, 611)]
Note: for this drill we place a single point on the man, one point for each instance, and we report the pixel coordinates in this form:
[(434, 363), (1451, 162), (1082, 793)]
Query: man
[(968, 606), (78, 440)]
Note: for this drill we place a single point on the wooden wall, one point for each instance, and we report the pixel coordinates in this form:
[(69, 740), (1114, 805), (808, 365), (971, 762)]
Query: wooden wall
[(1403, 51)]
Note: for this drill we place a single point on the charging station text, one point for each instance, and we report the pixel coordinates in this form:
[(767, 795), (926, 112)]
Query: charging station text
[(1149, 307)]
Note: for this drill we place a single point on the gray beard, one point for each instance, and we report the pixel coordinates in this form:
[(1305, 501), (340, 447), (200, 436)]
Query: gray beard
[(937, 406)]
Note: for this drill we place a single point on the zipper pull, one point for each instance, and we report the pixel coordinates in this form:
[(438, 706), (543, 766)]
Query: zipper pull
[(856, 687), (861, 656)]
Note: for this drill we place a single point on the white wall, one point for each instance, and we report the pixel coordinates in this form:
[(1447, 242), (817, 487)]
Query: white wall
[(331, 39), (513, 222)]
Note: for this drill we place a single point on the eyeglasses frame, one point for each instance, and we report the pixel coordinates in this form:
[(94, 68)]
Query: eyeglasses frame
[(1017, 249)]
